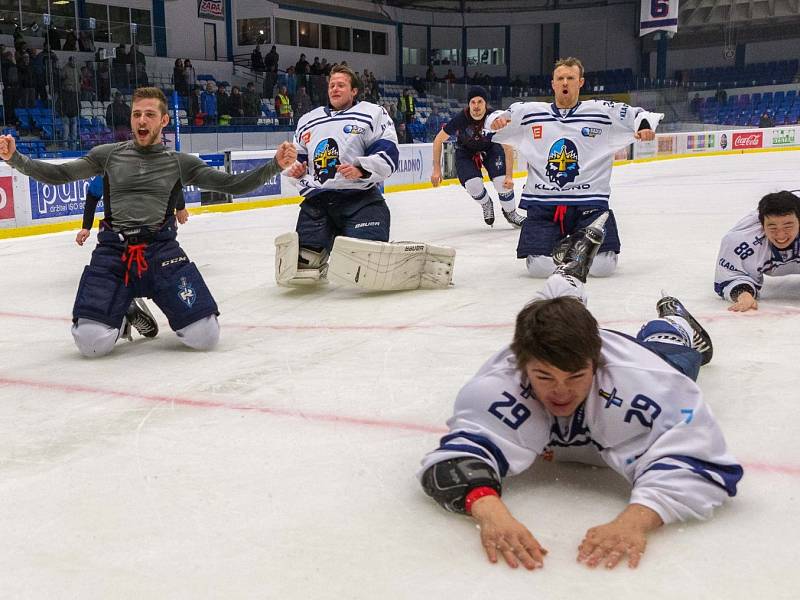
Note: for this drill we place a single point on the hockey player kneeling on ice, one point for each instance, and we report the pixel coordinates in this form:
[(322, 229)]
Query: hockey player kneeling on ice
[(569, 146), (567, 390), (765, 242), (345, 151)]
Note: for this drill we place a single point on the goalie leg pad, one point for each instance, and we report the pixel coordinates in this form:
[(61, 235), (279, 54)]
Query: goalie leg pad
[(296, 266), (384, 266)]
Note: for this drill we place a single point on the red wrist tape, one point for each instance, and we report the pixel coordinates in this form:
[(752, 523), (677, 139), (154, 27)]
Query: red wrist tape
[(476, 494)]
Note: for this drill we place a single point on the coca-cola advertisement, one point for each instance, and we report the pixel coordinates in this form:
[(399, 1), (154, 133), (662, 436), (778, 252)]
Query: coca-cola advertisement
[(751, 139)]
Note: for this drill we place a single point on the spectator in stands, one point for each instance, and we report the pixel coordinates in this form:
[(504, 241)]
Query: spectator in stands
[(397, 116), (68, 107), (450, 77), (326, 69), (52, 73), (39, 74), (283, 106), (69, 77), (251, 104), (236, 106), (53, 40), (26, 82), (317, 75), (271, 72), (10, 86), (103, 81), (291, 81), (223, 100), (85, 42), (766, 120), (400, 130), (301, 71), (430, 74), (408, 108), (694, 105), (208, 104), (721, 96), (179, 78), (435, 122), (87, 85), (118, 118), (257, 60), (419, 86), (302, 103), (189, 74), (70, 42), (196, 115), (119, 69)]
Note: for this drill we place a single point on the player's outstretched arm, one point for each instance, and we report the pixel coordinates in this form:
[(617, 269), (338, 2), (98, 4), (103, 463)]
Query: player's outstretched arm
[(626, 535), (82, 168), (8, 145), (502, 534), (436, 173)]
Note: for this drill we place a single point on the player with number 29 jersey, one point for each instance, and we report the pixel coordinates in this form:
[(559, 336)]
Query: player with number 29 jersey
[(642, 417)]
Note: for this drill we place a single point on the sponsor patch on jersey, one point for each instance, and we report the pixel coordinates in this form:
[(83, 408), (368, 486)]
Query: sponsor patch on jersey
[(591, 132), (562, 162), (186, 292), (353, 129), (537, 132), (306, 137), (326, 159)]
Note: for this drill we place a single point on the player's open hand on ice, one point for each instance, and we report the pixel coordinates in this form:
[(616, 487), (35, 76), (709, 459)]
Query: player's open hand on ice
[(182, 216), (626, 535), (82, 236), (436, 177), (502, 534), (499, 123), (8, 145), (744, 302), (350, 171), (285, 155), (645, 135)]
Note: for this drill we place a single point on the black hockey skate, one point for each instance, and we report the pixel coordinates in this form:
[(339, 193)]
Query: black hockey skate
[(670, 306), (488, 212), (514, 218), (139, 317), (574, 255)]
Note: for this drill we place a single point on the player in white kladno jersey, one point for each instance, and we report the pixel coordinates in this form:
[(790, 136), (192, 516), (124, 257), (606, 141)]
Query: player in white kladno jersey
[(567, 389), (765, 242), (569, 146)]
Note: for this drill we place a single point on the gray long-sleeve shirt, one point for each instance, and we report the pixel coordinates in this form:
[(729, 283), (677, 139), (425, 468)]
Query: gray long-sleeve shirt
[(141, 178)]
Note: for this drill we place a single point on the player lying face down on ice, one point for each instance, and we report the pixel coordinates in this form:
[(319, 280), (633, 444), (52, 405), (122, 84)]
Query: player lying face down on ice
[(475, 150), (345, 151), (569, 148), (576, 392), (137, 254), (765, 242)]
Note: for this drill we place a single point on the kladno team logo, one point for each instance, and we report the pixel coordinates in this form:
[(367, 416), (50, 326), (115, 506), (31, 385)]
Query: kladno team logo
[(326, 159), (186, 292), (562, 162)]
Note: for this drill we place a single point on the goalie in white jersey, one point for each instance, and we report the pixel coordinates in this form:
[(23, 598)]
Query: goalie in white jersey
[(345, 151), (569, 146), (568, 389), (765, 242)]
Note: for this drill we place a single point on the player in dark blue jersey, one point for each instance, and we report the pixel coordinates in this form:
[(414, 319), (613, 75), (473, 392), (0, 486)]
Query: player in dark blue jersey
[(475, 150)]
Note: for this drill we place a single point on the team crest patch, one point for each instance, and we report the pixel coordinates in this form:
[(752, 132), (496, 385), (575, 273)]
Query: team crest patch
[(186, 292), (562, 162), (353, 129), (326, 159)]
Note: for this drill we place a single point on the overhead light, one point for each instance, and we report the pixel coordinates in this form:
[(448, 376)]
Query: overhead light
[(62, 1)]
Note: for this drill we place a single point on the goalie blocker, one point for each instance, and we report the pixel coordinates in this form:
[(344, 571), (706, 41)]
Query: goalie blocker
[(370, 265)]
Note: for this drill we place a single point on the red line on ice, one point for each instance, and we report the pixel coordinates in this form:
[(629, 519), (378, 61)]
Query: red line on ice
[(308, 416)]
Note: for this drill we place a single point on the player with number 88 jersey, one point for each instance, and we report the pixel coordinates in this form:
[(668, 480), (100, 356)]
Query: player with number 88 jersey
[(765, 242), (568, 390)]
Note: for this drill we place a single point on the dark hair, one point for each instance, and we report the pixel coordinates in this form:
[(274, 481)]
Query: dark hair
[(558, 331), (144, 93), (778, 204), (570, 61), (354, 82)]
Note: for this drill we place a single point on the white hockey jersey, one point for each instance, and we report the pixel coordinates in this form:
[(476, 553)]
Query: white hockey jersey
[(745, 256), (642, 418), (569, 153), (363, 135)]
